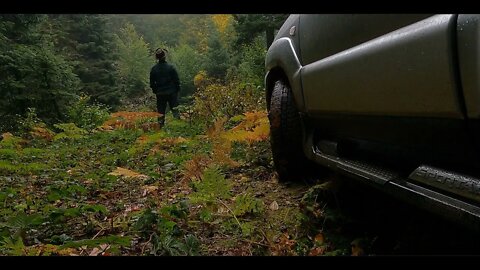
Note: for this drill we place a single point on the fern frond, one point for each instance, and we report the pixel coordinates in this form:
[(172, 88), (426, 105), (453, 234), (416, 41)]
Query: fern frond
[(42, 133), (254, 127), (193, 169), (131, 120), (211, 187), (70, 131)]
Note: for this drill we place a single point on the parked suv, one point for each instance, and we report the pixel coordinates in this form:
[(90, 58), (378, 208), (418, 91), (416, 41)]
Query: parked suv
[(391, 100)]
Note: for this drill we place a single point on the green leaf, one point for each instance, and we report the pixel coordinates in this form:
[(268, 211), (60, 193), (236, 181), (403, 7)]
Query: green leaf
[(247, 204), (167, 227), (72, 212), (54, 195), (14, 247), (23, 221), (70, 131), (95, 208), (192, 245)]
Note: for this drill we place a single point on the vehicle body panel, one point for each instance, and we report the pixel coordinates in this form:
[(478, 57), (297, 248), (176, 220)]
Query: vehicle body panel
[(468, 43), (339, 32), (403, 73)]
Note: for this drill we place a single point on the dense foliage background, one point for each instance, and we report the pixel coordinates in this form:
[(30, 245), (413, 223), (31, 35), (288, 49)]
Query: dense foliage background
[(49, 62), (86, 170)]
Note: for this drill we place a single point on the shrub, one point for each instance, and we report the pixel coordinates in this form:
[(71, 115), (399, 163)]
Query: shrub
[(252, 64), (213, 99), (187, 61), (87, 115)]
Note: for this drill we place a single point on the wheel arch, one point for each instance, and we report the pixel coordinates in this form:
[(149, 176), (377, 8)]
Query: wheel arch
[(282, 62)]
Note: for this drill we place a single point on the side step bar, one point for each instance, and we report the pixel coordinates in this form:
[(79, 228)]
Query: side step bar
[(462, 212), (462, 185)]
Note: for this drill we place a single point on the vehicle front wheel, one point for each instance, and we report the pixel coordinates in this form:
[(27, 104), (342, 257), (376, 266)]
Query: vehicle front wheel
[(286, 135)]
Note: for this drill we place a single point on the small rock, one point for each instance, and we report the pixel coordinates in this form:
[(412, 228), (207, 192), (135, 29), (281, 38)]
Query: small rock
[(168, 166), (274, 206)]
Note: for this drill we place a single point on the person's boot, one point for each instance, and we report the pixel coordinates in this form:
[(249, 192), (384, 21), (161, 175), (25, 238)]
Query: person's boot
[(176, 114), (161, 121)]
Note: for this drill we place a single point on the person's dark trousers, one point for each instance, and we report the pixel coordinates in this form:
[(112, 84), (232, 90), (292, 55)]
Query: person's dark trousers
[(162, 100)]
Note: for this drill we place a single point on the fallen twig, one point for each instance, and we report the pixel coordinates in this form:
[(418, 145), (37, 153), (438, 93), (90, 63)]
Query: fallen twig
[(146, 243), (228, 208), (98, 233), (256, 243)]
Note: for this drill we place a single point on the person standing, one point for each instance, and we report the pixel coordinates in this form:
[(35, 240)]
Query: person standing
[(165, 85)]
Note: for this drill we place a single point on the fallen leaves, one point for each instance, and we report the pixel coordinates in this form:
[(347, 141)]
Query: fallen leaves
[(133, 208), (7, 136), (122, 172), (319, 245), (316, 251), (284, 246), (149, 190), (174, 141), (319, 239), (100, 251), (112, 205)]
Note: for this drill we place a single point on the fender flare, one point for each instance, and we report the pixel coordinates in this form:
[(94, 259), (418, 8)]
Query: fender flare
[(281, 55)]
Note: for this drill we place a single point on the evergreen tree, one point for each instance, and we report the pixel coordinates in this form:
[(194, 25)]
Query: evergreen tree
[(188, 63), (134, 61), (92, 49), (33, 73), (218, 59), (250, 25), (251, 65)]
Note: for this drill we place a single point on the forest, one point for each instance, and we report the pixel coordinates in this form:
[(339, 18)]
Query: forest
[(85, 170), (51, 62)]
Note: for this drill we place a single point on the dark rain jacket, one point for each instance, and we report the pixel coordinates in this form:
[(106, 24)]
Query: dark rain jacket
[(164, 79)]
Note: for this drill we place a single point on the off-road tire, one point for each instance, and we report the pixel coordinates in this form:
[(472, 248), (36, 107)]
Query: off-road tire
[(286, 135)]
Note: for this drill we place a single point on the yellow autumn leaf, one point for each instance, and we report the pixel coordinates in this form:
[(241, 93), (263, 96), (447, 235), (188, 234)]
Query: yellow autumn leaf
[(235, 136), (259, 133), (222, 21), (149, 189), (180, 140), (119, 171), (172, 141), (254, 127)]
